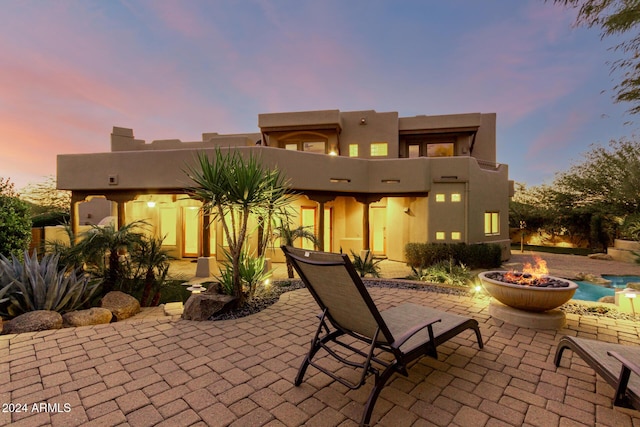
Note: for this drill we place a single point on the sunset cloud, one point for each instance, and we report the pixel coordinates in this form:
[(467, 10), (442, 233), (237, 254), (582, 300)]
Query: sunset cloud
[(71, 71)]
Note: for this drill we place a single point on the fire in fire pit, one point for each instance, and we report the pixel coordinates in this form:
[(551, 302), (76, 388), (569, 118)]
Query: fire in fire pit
[(531, 275)]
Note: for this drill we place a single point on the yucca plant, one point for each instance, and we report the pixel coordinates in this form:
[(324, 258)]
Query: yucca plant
[(233, 188), (33, 284), (251, 270)]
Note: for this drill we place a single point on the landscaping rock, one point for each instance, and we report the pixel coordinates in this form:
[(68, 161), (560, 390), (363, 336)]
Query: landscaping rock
[(608, 299), (173, 309), (33, 321), (592, 278), (92, 316), (602, 256), (203, 306), (121, 305), (634, 285)]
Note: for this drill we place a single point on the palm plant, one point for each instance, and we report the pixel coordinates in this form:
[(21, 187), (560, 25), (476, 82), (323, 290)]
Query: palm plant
[(100, 241), (153, 262), (233, 189), (288, 236)]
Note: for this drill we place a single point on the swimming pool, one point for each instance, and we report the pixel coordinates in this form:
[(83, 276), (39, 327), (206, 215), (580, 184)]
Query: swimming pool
[(589, 292)]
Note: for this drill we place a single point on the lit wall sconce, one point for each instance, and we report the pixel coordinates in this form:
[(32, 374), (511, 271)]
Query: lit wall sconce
[(151, 204), (363, 121), (333, 152)]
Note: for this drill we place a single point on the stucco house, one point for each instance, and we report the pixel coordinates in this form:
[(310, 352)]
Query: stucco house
[(367, 180)]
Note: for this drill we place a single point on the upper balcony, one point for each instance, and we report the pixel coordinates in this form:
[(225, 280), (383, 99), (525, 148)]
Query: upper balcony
[(165, 170)]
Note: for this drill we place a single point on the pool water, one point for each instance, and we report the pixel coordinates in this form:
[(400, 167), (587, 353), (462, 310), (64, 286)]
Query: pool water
[(590, 292)]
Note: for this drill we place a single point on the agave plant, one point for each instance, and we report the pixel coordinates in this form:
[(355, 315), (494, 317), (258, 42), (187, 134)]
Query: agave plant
[(33, 284), (366, 265)]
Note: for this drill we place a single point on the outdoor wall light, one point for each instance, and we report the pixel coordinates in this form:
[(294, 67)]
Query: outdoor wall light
[(333, 153), (151, 204), (363, 121)]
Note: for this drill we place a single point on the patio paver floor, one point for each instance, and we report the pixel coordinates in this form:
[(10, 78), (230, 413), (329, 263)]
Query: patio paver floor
[(164, 371)]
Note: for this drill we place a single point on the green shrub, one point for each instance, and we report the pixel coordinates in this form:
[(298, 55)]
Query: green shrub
[(630, 227), (28, 285), (48, 219), (447, 272), (15, 225), (483, 255)]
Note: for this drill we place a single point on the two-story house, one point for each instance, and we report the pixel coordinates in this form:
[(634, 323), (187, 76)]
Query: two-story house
[(366, 180)]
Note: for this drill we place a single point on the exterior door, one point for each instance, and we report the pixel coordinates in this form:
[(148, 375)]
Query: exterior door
[(308, 219), (379, 230), (328, 230), (190, 231)]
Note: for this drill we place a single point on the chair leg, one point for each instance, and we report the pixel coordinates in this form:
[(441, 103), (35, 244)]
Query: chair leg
[(302, 371), (373, 396), (478, 337), (621, 388), (559, 351)]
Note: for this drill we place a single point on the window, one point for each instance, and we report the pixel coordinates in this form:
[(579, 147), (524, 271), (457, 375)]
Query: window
[(444, 149), (491, 223), (456, 197), (414, 150), (378, 149), (456, 235), (440, 235), (314, 147), (353, 150), (440, 198), (319, 147)]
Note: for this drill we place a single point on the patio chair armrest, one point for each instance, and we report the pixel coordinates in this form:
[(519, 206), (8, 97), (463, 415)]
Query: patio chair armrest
[(411, 332), (633, 367)]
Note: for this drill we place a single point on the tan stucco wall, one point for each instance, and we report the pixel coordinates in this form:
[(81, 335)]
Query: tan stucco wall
[(377, 127)]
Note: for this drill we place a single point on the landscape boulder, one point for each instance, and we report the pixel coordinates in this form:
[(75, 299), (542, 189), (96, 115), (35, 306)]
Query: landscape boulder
[(33, 321), (601, 256), (121, 305), (634, 285), (203, 306), (92, 316), (592, 278)]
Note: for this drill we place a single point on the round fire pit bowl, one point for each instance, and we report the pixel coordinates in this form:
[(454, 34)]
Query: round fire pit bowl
[(528, 298)]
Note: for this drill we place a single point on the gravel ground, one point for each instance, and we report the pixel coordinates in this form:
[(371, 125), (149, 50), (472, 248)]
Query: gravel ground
[(264, 300)]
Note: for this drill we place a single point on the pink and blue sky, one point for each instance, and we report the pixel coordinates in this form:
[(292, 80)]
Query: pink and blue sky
[(71, 70)]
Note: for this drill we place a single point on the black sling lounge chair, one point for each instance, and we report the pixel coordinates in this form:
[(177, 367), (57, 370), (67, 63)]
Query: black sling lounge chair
[(389, 340), (613, 362)]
